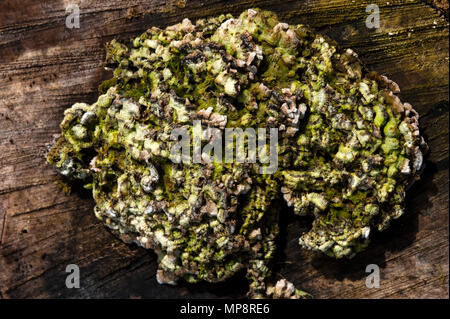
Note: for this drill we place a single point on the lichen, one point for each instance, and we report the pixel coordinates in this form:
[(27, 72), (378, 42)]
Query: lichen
[(347, 148)]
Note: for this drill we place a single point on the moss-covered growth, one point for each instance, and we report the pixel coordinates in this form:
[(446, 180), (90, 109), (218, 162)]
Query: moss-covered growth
[(347, 147)]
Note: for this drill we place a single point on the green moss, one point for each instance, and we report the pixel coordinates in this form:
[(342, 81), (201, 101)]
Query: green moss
[(106, 85)]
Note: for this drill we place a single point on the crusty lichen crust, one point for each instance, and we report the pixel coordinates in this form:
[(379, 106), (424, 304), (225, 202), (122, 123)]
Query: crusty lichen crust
[(348, 148)]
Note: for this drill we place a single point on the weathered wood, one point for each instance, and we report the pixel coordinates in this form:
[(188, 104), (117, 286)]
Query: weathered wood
[(441, 5), (45, 67)]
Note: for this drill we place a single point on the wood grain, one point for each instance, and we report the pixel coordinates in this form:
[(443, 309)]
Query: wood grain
[(45, 67)]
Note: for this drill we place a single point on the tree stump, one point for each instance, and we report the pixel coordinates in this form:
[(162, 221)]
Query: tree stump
[(46, 67)]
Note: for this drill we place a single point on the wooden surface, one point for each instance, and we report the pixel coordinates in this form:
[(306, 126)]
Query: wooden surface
[(45, 67)]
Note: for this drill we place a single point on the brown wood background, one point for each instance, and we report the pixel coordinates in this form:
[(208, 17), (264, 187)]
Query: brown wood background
[(45, 67)]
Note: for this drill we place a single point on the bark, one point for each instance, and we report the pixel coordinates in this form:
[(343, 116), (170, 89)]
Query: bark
[(45, 67)]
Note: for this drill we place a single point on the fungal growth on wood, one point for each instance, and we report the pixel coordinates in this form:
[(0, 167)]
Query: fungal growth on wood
[(348, 148)]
